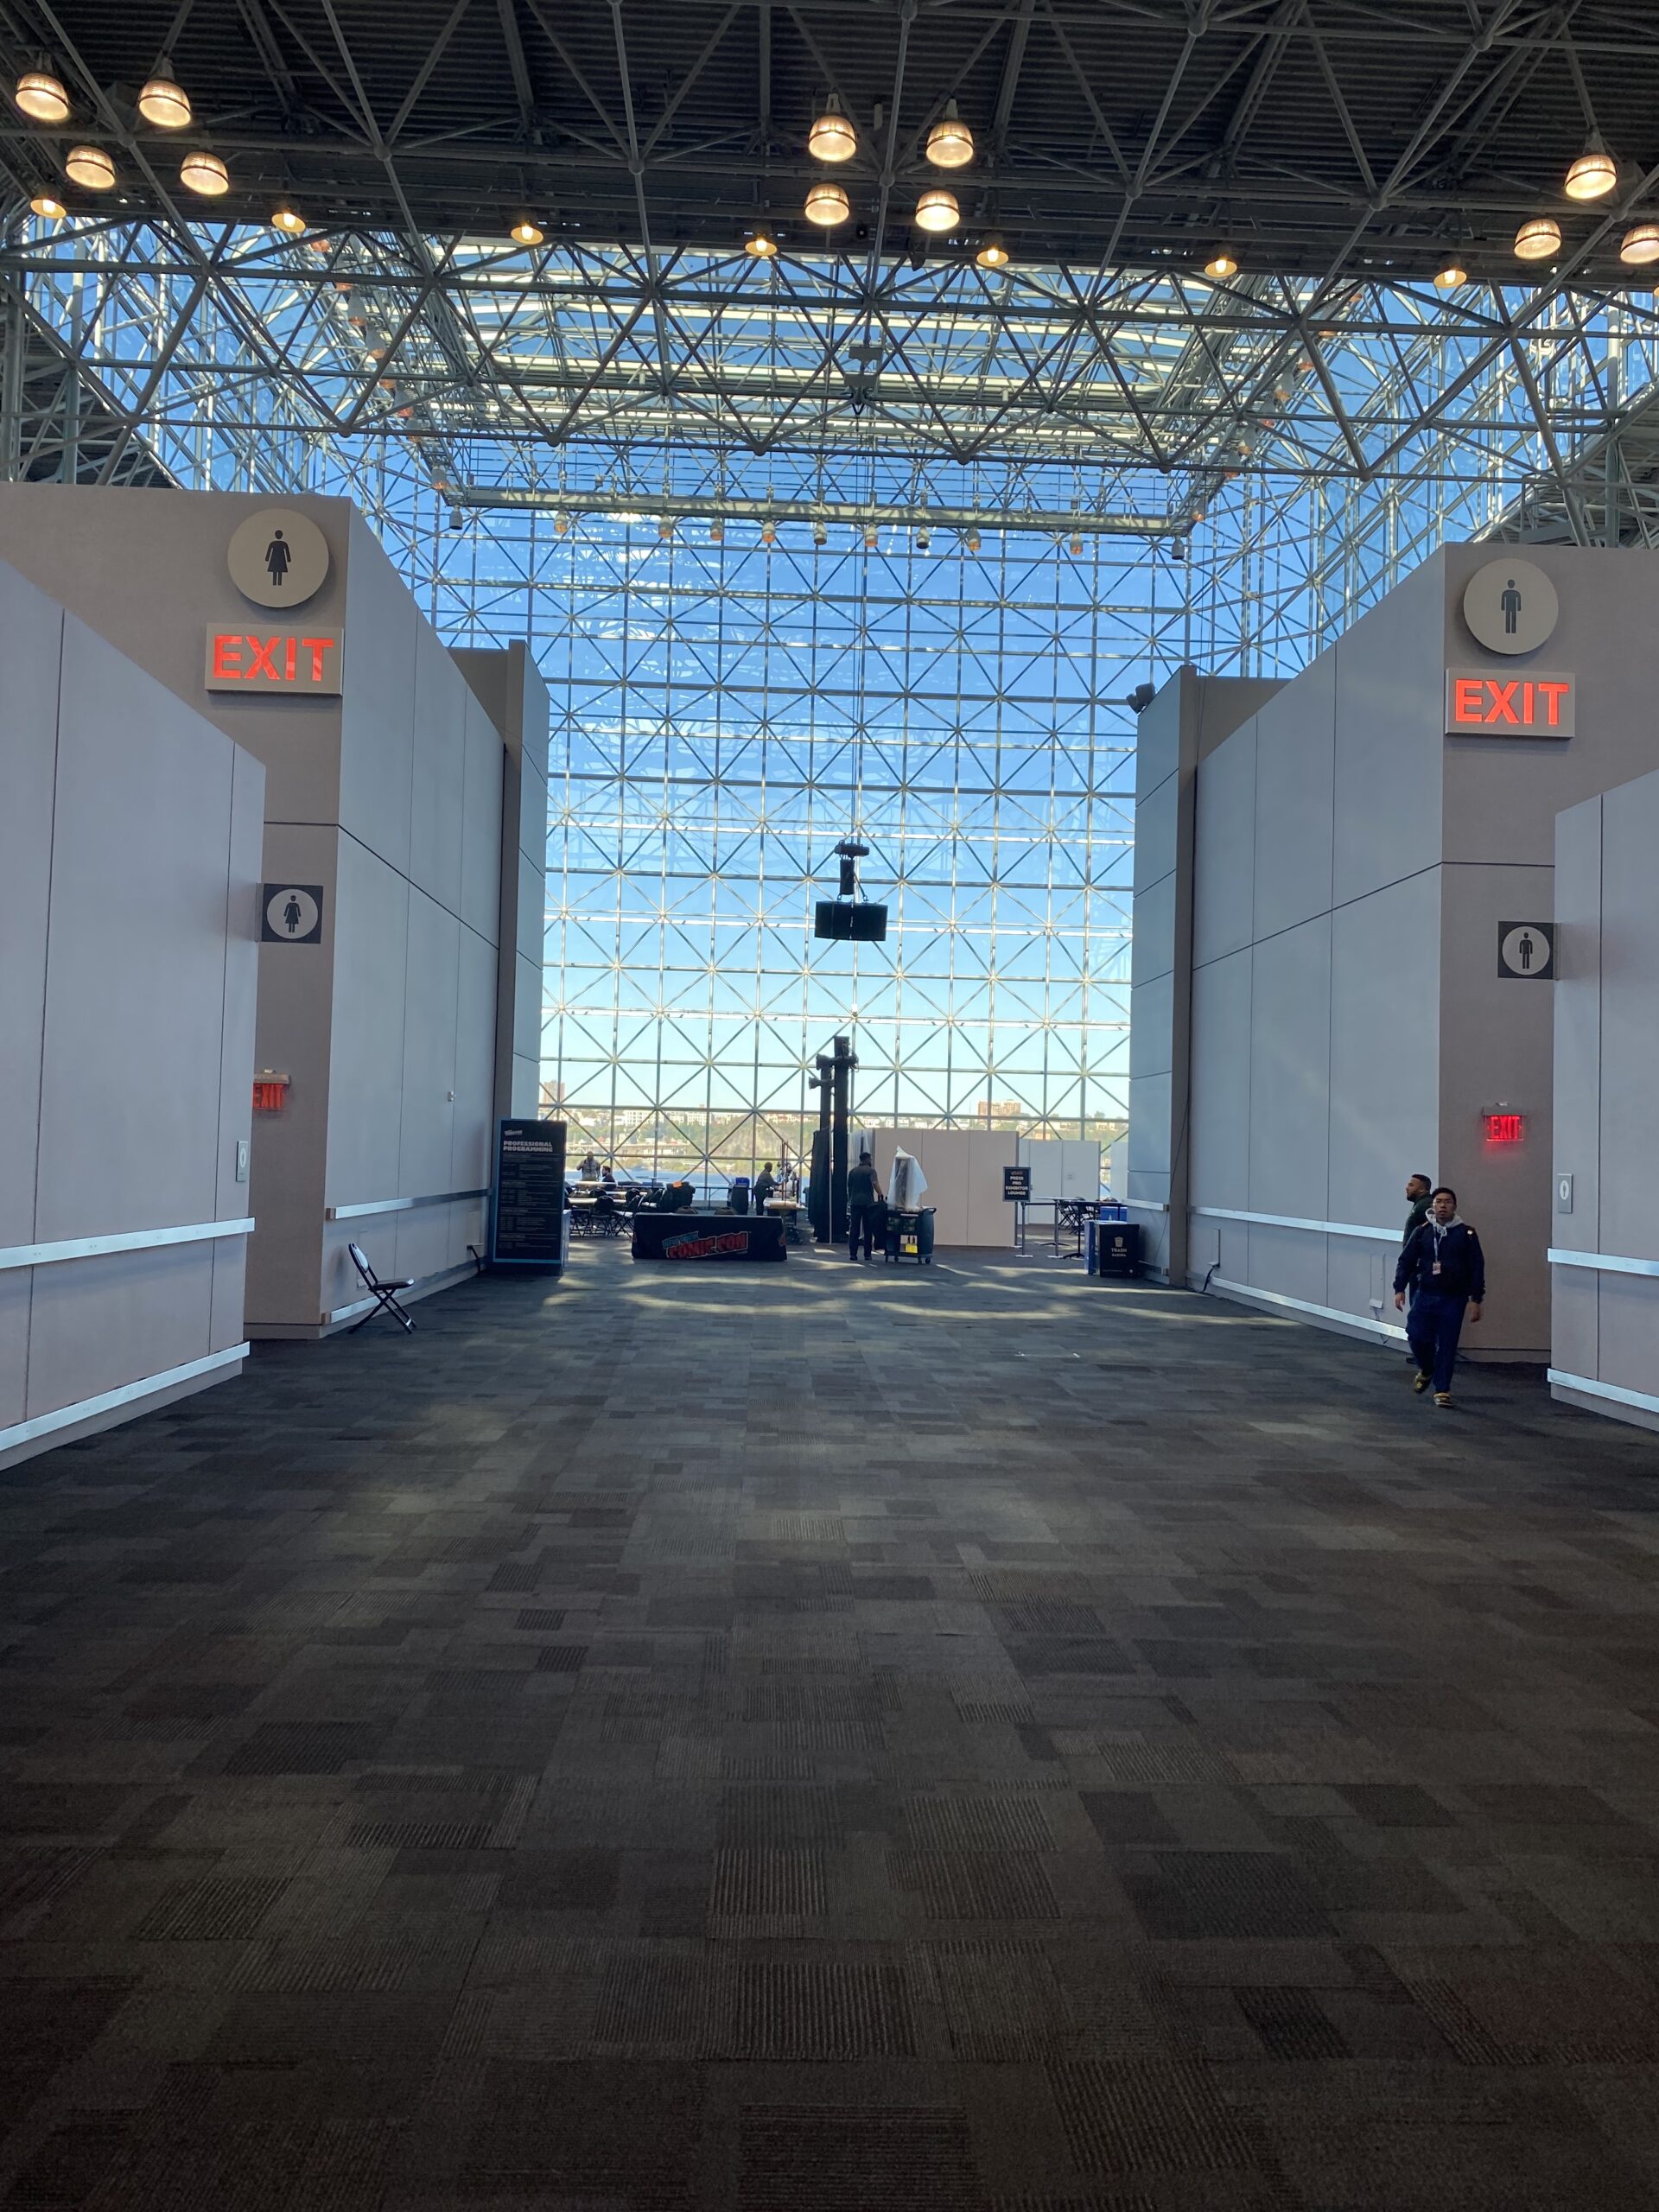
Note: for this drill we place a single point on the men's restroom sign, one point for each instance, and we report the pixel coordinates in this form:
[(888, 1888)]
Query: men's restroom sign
[(1526, 951), (293, 914)]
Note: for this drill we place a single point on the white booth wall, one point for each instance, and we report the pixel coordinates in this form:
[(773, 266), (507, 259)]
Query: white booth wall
[(1349, 1023), (964, 1169), (391, 797), (129, 837), (1604, 1230)]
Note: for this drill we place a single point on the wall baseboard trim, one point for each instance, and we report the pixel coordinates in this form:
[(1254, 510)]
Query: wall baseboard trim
[(1324, 1316), (24, 1438), (1611, 1394), (401, 1205)]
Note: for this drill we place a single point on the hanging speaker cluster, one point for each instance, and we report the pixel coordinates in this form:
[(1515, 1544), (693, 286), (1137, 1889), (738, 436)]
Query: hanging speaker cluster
[(858, 923)]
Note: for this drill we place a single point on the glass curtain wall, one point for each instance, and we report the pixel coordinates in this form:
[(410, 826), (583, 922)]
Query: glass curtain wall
[(724, 712)]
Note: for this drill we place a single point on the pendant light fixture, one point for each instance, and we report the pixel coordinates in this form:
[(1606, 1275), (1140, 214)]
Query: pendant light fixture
[(91, 167), (163, 100), (993, 255), (291, 226), (832, 137), (524, 232), (936, 210), (1640, 245), (1449, 278), (48, 209), (1221, 264), (761, 245), (1593, 175), (826, 204), (205, 174), (950, 142), (1539, 239), (40, 93)]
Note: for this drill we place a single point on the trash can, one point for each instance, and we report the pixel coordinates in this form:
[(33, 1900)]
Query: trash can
[(740, 1194), (910, 1236), (1114, 1248)]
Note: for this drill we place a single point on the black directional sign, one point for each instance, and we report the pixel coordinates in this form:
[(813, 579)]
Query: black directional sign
[(1526, 951)]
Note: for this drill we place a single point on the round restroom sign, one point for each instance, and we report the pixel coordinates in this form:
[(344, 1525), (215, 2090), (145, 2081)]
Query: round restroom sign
[(1526, 949), (1511, 607), (293, 913), (277, 557)]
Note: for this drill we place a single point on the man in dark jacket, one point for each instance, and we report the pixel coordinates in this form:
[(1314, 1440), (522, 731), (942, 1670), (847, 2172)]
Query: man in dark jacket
[(1444, 1268), (863, 1197), (1418, 1189)]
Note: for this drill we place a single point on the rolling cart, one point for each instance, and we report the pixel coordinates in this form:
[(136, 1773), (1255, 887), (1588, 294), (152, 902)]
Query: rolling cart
[(910, 1236)]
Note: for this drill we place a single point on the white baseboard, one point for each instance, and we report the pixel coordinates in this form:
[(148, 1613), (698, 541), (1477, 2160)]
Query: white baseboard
[(109, 1409)]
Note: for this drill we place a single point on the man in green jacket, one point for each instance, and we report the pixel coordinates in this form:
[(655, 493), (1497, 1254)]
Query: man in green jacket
[(1418, 1188)]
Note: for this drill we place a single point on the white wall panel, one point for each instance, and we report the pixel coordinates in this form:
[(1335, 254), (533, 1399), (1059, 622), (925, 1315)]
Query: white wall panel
[(15, 1285), (1385, 1107), (441, 703), (365, 1079), (96, 1324), (1576, 1134), (1628, 1323), (1295, 769), (1220, 1083), (241, 994), (1390, 701), (1043, 1156), (1289, 1260), (1155, 834), (1223, 862), (1152, 1013), (1575, 1335), (31, 635), (1629, 1020), (377, 711), (1152, 951), (1290, 1073), (471, 1153), (943, 1155), (1149, 1125), (430, 1032), (482, 763), (136, 954)]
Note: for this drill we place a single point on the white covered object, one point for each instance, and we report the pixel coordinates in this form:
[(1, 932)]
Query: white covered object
[(906, 1183)]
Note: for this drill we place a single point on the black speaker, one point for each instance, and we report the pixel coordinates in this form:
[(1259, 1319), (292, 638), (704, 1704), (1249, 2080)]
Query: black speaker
[(863, 925)]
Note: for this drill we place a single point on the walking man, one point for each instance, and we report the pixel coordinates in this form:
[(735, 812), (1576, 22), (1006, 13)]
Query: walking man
[(1418, 1188), (863, 1196), (1445, 1269)]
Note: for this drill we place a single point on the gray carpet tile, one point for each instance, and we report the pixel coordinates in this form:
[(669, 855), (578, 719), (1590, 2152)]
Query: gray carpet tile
[(965, 1739)]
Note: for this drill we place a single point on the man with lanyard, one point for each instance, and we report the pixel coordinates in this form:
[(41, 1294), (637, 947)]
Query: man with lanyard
[(1445, 1269), (1418, 1188)]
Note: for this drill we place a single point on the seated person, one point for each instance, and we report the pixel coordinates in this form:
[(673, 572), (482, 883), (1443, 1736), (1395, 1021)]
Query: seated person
[(607, 1178)]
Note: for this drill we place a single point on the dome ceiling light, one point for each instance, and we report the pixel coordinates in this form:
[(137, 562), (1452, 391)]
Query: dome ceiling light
[(205, 174), (1449, 278), (761, 245), (1640, 245), (89, 166), (48, 209), (40, 93), (826, 204), (163, 100), (950, 142), (832, 137), (936, 210), (993, 255), (1593, 175), (1221, 264), (524, 232), (291, 226), (1538, 240)]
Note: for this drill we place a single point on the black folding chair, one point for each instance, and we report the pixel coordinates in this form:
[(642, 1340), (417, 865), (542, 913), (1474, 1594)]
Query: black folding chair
[(385, 1294)]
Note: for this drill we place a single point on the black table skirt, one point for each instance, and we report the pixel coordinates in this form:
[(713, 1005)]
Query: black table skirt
[(695, 1237)]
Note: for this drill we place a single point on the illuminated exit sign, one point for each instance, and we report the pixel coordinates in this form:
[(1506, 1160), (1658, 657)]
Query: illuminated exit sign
[(1478, 705), (258, 659), (1504, 1127)]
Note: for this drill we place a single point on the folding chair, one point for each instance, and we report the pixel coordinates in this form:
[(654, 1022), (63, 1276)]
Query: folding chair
[(385, 1294)]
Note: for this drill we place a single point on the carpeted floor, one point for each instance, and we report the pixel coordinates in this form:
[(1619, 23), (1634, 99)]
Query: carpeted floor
[(819, 1738)]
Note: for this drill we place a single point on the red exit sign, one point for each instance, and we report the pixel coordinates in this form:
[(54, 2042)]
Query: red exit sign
[(1505, 1129), (256, 659), (1508, 706)]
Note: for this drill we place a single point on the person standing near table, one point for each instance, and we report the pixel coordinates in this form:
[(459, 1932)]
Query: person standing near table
[(765, 1183), (863, 1197), (1445, 1269)]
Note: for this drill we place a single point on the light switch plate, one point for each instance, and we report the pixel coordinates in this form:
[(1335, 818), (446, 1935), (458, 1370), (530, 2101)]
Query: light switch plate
[(242, 1153)]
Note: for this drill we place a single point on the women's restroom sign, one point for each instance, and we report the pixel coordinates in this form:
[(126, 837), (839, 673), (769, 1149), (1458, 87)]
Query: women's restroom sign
[(293, 914)]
